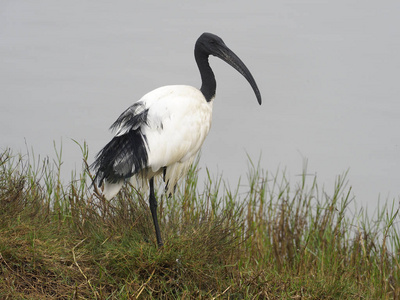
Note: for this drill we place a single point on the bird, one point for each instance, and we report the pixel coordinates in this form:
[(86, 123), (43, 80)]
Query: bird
[(161, 134)]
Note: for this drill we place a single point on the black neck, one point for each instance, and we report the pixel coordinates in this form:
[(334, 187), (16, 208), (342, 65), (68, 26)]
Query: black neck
[(208, 83)]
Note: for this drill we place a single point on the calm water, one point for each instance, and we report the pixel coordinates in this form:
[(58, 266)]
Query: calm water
[(329, 76)]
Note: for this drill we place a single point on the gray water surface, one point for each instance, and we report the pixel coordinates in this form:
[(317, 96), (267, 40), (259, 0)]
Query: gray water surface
[(328, 73)]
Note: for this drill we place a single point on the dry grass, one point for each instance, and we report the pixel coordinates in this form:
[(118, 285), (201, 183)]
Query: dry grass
[(272, 242)]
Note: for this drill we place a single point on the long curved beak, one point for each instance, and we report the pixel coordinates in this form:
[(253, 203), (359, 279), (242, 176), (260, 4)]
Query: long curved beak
[(231, 58)]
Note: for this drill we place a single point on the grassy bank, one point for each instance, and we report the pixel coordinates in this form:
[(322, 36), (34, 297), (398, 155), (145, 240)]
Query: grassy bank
[(278, 240)]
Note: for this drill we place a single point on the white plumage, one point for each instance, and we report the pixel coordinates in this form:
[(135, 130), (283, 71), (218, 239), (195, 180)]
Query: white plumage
[(178, 121), (162, 133)]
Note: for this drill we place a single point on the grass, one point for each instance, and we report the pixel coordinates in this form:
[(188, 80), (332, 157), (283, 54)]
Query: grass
[(276, 240)]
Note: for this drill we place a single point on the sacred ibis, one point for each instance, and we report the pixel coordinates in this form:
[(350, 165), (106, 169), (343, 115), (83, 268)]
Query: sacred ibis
[(162, 132)]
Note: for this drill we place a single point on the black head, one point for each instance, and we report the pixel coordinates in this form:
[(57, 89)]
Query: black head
[(211, 44)]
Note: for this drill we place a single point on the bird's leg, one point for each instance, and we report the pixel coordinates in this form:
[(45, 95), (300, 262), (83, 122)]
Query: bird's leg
[(153, 209)]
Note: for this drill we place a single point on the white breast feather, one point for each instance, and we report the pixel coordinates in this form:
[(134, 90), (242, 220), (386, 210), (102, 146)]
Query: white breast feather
[(178, 121), (186, 121)]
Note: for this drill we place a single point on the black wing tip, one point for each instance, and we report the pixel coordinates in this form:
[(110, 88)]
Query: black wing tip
[(121, 158)]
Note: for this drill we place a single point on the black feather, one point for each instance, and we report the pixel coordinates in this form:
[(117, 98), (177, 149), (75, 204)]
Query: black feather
[(126, 154), (132, 118)]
